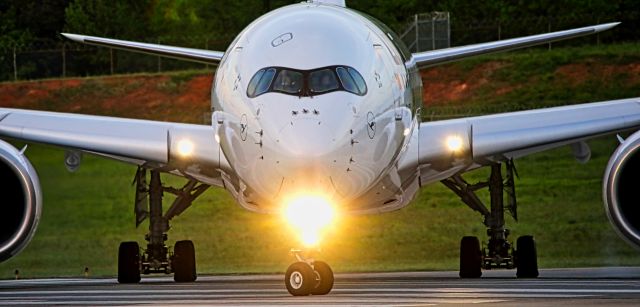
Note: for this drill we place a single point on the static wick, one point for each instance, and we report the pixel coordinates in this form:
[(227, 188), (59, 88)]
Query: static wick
[(17, 273)]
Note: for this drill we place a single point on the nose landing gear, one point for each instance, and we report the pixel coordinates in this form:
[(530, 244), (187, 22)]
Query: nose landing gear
[(308, 276)]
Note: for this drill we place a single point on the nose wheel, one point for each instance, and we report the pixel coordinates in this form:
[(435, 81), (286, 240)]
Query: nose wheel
[(308, 276), (324, 278), (300, 279)]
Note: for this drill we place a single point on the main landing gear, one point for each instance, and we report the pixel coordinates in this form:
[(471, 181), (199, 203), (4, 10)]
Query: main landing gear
[(157, 258), (308, 276), (499, 252)]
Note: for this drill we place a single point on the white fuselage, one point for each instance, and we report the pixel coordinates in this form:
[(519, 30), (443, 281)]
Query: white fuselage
[(339, 144)]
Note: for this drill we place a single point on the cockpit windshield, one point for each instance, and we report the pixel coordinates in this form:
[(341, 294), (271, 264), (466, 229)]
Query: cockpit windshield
[(306, 83), (321, 81), (288, 81)]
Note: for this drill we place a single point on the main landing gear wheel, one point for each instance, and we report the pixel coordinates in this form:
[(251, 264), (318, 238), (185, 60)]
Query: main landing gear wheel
[(526, 258), (157, 257), (499, 252), (129, 263), (300, 279), (184, 262), (470, 258), (324, 278)]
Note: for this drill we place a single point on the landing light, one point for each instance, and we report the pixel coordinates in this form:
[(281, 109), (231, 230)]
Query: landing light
[(454, 143), (309, 216), (185, 147)]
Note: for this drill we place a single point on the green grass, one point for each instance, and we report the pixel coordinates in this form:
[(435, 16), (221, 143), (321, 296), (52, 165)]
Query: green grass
[(87, 213)]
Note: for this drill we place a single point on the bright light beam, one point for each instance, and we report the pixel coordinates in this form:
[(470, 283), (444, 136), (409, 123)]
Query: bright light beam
[(309, 216)]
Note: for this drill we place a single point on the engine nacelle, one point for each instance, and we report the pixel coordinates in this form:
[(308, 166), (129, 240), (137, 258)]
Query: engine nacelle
[(20, 201), (621, 189)]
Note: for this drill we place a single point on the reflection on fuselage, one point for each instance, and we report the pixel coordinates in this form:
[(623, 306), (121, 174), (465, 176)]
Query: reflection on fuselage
[(323, 112)]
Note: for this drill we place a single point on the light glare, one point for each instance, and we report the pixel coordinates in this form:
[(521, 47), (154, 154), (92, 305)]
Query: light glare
[(309, 216), (185, 147), (454, 143), (310, 238)]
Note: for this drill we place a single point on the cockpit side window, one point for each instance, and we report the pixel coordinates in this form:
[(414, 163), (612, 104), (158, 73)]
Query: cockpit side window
[(265, 81), (289, 81), (347, 81), (261, 82), (321, 81), (362, 86), (251, 90)]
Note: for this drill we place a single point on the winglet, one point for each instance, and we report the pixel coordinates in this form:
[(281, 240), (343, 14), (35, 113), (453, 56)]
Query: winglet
[(605, 26), (73, 37)]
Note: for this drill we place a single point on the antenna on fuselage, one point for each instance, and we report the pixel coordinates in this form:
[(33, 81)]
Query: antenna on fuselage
[(330, 2)]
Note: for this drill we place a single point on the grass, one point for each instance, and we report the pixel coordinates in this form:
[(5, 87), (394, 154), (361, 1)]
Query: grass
[(88, 213)]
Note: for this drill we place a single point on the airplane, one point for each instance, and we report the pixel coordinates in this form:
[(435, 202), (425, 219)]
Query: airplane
[(316, 112)]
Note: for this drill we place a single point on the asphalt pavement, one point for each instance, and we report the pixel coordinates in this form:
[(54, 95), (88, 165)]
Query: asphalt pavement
[(614, 286)]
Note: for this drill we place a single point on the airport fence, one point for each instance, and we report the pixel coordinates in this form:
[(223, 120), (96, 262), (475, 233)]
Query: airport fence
[(58, 58), (465, 32)]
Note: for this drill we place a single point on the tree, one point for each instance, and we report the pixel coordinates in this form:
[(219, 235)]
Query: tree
[(127, 19)]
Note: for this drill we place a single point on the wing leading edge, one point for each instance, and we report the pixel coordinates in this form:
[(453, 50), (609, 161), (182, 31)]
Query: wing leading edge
[(142, 142), (440, 56), (180, 53), (494, 138)]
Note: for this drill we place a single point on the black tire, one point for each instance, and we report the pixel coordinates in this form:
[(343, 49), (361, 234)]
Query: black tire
[(300, 279), (324, 278), (470, 258), (129, 263), (184, 262), (526, 258)]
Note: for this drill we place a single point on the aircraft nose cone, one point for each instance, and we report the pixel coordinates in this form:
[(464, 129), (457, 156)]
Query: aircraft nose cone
[(309, 138), (315, 152)]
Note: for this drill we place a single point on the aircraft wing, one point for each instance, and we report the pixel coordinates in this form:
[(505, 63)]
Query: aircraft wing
[(440, 56), (180, 53), (484, 140), (171, 147)]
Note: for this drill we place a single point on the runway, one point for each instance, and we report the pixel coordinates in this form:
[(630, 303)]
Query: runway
[(592, 286)]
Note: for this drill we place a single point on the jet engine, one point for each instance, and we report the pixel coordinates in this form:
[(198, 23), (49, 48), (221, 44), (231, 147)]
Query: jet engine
[(20, 201), (621, 189)]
